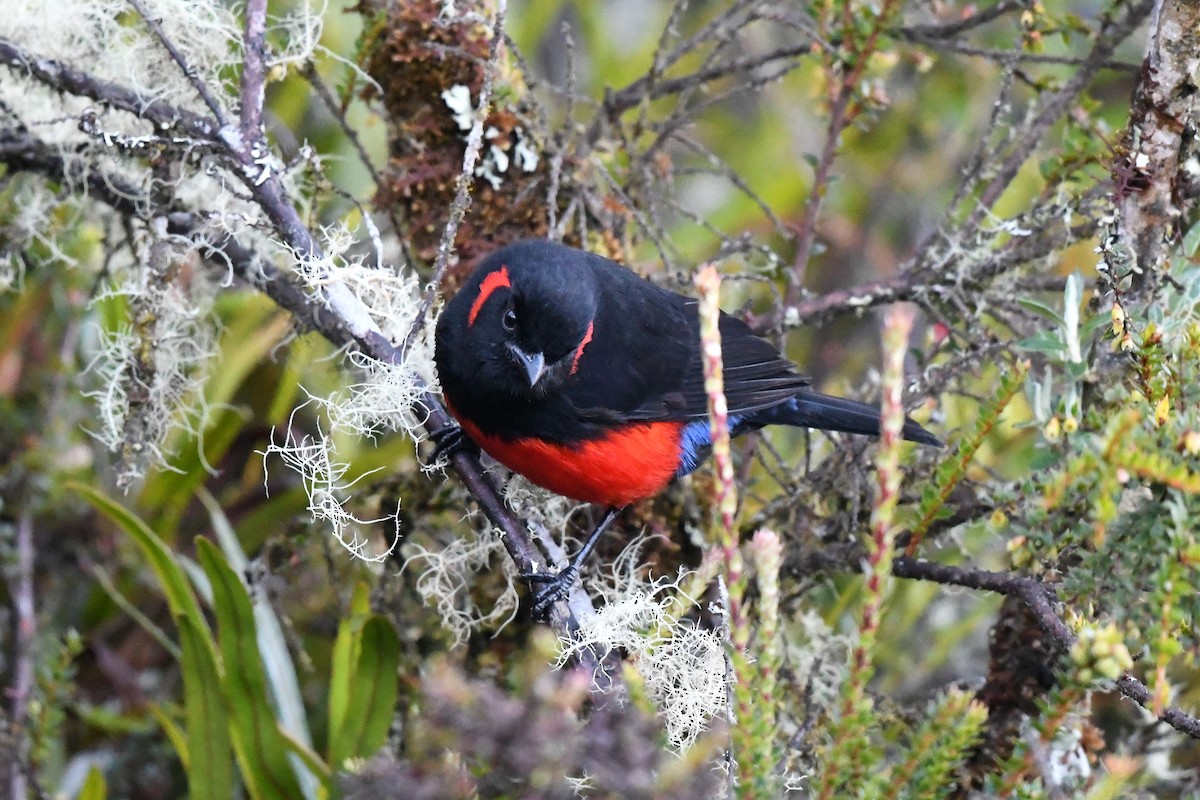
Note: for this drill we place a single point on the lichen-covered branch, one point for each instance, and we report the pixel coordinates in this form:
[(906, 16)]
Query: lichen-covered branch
[(1154, 186)]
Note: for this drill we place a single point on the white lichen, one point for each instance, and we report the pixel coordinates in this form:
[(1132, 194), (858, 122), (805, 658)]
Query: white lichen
[(683, 665), (384, 397), (146, 375), (445, 577)]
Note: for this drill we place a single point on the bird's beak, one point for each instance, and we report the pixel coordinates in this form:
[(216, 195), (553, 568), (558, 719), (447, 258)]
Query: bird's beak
[(534, 363)]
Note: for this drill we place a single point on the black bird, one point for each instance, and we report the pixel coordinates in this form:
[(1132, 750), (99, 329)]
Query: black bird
[(585, 378)]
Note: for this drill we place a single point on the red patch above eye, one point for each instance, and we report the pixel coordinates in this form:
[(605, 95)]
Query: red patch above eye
[(491, 283)]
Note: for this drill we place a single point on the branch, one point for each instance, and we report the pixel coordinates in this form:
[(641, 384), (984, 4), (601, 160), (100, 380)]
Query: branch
[(466, 176), (1058, 104), (68, 80), (253, 72), (1154, 189), (917, 279), (334, 316), (1039, 598), (202, 90), (848, 63), (946, 30)]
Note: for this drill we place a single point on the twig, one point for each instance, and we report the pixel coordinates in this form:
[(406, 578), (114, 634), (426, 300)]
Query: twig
[(162, 114), (641, 90), (339, 115), (1016, 56), (806, 230), (946, 30), (1039, 598), (190, 73), (840, 115), (253, 72), (1055, 106), (28, 154)]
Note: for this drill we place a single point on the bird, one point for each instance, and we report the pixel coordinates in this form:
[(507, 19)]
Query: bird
[(586, 378)]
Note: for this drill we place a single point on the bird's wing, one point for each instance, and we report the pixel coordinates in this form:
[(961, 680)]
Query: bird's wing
[(644, 363), (755, 376)]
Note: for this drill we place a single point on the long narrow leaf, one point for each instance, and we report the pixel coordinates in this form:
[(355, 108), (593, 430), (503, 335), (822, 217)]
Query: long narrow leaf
[(260, 747), (372, 700), (174, 583), (281, 671), (209, 756), (342, 670), (175, 734), (272, 644)]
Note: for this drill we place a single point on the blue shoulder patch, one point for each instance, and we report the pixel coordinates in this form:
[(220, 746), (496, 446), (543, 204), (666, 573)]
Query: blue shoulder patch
[(695, 443)]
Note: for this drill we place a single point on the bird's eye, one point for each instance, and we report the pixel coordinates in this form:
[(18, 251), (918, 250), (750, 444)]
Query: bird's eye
[(509, 321)]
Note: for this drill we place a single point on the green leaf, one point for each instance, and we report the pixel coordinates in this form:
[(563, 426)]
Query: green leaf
[(1041, 309), (277, 661), (363, 689), (208, 757), (261, 749), (208, 762), (310, 759), (343, 661), (94, 787), (272, 644), (1191, 240), (171, 578), (373, 700), (1044, 458), (1043, 343), (1076, 370), (175, 734)]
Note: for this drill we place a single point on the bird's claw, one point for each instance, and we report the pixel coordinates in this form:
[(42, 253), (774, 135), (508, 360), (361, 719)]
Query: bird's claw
[(448, 442), (553, 587)]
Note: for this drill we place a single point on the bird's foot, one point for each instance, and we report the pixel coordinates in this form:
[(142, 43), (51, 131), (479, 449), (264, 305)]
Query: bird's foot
[(448, 442), (552, 587)]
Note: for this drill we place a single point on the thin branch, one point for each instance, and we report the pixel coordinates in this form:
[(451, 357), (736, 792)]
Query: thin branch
[(1016, 56), (841, 114), (919, 281), (253, 71), (63, 78), (1039, 598), (339, 115), (641, 90), (1055, 106), (806, 230), (946, 30), (190, 73)]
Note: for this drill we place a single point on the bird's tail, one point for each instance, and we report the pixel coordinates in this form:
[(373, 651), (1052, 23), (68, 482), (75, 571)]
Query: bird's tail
[(813, 410)]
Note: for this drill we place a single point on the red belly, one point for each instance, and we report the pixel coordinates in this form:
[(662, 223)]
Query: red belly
[(626, 465)]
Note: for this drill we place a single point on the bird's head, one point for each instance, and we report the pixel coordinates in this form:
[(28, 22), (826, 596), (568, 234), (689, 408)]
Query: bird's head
[(519, 325)]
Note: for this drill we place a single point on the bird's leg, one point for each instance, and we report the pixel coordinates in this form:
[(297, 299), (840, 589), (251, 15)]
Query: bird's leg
[(554, 585), (449, 441)]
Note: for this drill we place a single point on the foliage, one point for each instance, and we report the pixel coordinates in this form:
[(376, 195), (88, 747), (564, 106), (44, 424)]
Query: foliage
[(230, 575)]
